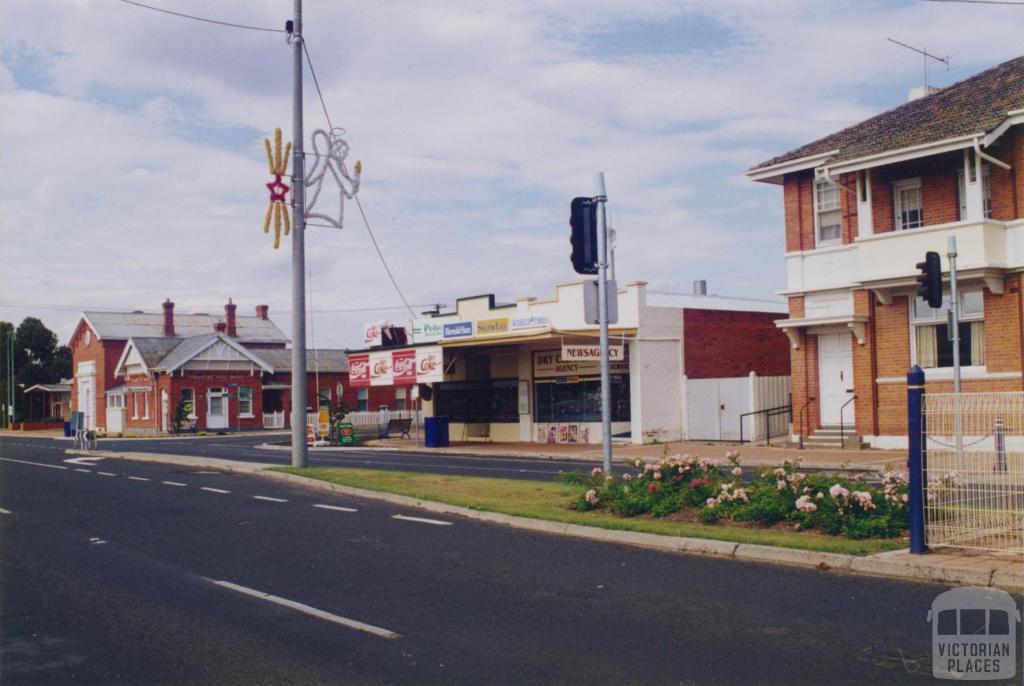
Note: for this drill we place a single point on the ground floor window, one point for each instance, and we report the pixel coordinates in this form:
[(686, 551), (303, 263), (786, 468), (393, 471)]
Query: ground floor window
[(245, 401), (188, 402), (362, 400), (495, 401), (580, 401), (400, 393)]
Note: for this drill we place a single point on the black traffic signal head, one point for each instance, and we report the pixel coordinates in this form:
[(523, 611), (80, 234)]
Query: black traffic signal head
[(583, 220), (930, 279)]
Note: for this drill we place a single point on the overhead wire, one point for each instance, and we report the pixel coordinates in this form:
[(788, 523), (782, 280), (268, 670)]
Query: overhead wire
[(204, 19)]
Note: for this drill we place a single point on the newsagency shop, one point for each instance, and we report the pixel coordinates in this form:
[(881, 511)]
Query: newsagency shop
[(682, 365)]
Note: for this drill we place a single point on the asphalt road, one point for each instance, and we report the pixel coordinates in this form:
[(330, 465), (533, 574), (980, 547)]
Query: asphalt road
[(142, 573)]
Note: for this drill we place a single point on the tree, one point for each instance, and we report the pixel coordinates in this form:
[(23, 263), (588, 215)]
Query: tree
[(37, 358)]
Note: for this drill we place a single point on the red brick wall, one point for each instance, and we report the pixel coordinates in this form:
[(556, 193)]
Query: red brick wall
[(722, 344), (105, 354), (798, 198)]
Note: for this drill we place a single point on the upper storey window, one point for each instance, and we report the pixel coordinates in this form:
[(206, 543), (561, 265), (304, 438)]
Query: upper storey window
[(907, 203), (986, 193), (827, 213)]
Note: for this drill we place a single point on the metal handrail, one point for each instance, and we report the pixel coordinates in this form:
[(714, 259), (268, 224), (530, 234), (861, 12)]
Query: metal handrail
[(768, 414), (802, 410), (842, 432)]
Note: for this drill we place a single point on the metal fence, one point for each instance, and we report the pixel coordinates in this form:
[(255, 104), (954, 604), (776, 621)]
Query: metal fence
[(975, 490)]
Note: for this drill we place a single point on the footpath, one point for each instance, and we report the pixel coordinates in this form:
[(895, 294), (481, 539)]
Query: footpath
[(750, 455), (950, 567)]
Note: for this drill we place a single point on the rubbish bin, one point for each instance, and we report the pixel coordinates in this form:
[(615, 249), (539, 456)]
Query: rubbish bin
[(67, 430), (435, 432)]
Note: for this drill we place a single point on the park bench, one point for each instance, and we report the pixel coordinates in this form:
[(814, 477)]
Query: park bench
[(400, 426)]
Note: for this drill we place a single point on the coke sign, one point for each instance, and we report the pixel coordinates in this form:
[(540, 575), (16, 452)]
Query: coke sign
[(359, 370), (403, 366)]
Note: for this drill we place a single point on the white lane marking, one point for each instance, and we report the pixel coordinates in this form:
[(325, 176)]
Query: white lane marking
[(79, 469), (421, 520), (106, 473), (3, 511), (336, 507), (138, 478), (89, 461), (96, 541), (306, 609), (213, 490), (173, 483), (269, 499), (35, 464)]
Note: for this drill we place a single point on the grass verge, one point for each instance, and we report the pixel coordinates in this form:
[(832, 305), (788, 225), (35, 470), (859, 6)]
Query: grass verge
[(548, 499)]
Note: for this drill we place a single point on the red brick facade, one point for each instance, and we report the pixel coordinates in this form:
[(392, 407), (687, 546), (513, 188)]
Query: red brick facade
[(724, 343), (881, 361)]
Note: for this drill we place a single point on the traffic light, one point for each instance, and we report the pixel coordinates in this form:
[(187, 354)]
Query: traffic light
[(583, 220), (930, 279)]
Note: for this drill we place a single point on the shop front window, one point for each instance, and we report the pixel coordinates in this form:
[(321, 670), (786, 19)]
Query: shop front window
[(581, 401), (478, 402)]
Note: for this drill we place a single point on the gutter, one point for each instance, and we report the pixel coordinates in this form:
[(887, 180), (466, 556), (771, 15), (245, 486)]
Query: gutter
[(987, 157)]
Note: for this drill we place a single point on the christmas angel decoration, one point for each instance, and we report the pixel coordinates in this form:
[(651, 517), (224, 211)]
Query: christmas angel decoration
[(330, 151), (278, 207)]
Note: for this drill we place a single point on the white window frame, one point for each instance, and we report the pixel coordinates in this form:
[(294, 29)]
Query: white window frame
[(145, 405), (939, 317), (986, 192), (819, 210), (897, 188), (245, 414)]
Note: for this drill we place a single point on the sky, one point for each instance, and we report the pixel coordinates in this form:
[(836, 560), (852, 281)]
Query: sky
[(133, 142)]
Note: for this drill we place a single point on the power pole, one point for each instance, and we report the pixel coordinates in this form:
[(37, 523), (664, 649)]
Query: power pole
[(300, 456), (602, 307)]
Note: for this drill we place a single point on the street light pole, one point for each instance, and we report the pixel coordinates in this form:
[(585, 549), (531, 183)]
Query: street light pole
[(602, 307), (300, 456)]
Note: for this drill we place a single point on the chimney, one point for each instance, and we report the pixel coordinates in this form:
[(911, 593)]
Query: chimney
[(220, 327), (168, 318), (700, 287), (263, 311), (229, 314)]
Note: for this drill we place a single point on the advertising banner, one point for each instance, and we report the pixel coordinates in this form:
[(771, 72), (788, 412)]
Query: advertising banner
[(429, 365), (403, 367), (359, 370), (530, 323), (498, 326), (372, 333), (458, 330), (380, 369), (426, 331), (549, 364)]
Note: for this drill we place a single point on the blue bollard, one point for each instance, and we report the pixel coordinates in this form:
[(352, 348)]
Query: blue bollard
[(916, 459)]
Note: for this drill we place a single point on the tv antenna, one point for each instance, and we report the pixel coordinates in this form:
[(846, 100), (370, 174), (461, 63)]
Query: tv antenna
[(925, 55)]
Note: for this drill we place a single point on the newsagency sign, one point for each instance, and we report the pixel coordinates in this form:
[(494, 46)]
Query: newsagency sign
[(585, 353), (549, 364), (396, 367)]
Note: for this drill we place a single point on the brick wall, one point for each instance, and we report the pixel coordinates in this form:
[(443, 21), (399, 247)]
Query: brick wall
[(722, 344), (105, 354)]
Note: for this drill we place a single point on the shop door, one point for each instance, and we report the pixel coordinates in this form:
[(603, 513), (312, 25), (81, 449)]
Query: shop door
[(835, 377), (216, 409)]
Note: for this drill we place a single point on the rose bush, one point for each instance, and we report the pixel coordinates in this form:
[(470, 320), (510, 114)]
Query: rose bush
[(717, 491)]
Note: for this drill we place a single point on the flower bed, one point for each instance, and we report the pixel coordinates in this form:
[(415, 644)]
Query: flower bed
[(716, 492)]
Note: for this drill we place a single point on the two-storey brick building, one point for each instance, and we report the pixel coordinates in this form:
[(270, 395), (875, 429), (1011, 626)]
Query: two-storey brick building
[(862, 207)]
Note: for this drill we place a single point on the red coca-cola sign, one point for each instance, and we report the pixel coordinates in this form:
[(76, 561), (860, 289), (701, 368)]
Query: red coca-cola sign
[(403, 364), (359, 370)]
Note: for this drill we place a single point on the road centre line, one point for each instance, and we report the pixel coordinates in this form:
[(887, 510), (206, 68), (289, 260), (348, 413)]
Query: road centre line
[(269, 499), (421, 520), (35, 464), (3, 511), (138, 478), (106, 473), (173, 483), (309, 610), (213, 490), (336, 507), (79, 469)]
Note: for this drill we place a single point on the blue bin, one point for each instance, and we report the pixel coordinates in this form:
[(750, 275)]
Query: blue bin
[(435, 432), (67, 430)]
